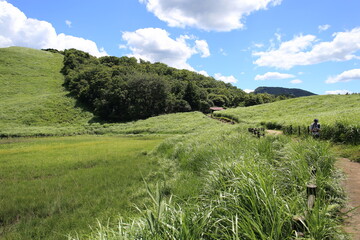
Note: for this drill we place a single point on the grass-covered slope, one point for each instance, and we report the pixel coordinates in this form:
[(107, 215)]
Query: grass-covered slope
[(33, 102), (339, 116), (31, 92), (327, 108)]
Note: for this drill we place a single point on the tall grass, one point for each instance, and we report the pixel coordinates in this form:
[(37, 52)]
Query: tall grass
[(50, 187), (251, 189)]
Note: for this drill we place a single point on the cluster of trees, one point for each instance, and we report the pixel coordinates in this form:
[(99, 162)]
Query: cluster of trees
[(123, 89)]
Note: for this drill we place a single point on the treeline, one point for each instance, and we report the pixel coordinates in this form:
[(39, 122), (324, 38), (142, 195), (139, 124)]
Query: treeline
[(123, 89)]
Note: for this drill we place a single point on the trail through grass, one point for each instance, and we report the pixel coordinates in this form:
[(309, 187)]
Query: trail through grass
[(249, 189)]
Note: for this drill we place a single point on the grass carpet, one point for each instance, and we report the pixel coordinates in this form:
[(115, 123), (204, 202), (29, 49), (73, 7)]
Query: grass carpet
[(54, 186)]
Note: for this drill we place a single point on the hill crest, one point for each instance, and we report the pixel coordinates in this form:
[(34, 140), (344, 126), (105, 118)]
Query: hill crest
[(296, 92)]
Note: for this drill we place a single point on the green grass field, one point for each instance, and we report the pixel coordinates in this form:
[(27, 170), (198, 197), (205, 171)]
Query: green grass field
[(216, 180), (327, 108), (31, 92), (250, 189), (339, 116), (34, 103), (54, 186)]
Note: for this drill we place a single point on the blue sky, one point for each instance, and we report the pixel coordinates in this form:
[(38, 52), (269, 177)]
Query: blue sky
[(313, 45)]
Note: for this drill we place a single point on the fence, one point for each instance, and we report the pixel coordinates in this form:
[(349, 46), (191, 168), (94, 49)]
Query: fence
[(259, 132), (299, 222), (337, 132)]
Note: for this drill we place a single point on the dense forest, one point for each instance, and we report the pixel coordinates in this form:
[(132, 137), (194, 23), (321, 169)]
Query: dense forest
[(123, 89)]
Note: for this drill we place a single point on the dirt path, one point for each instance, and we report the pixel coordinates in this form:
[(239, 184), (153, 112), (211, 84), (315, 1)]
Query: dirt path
[(273, 132), (352, 187)]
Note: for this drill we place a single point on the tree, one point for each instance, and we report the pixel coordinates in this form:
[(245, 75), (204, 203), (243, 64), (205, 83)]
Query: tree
[(192, 95), (147, 95)]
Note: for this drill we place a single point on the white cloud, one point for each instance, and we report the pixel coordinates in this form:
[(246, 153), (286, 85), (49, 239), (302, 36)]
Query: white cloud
[(273, 75), (306, 50), (258, 45), (346, 76), (18, 30), (203, 72), (122, 46), (155, 45), (324, 27), (278, 37), (248, 90), (296, 81), (226, 79), (203, 47), (68, 23), (338, 92), (218, 15)]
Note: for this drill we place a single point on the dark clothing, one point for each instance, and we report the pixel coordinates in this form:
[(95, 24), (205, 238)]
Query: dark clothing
[(315, 129)]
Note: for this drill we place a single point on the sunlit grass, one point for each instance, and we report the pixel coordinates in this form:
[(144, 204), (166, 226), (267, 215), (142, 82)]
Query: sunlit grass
[(53, 186), (250, 189), (327, 108), (31, 92), (339, 116)]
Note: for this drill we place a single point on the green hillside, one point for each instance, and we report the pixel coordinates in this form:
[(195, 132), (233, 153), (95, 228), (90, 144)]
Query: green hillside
[(338, 114), (33, 102), (327, 108), (225, 183), (31, 92)]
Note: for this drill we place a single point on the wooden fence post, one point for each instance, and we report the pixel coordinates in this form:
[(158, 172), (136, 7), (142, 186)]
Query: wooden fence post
[(299, 226), (311, 193)]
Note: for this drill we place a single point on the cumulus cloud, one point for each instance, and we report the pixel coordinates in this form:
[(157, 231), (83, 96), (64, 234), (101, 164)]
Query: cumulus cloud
[(342, 92), (218, 15), (273, 75), (156, 45), (306, 50), (226, 79), (18, 30), (324, 27), (346, 76), (203, 72), (203, 47), (296, 81), (248, 90)]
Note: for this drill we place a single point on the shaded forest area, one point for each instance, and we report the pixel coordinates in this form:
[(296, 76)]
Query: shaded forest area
[(123, 89)]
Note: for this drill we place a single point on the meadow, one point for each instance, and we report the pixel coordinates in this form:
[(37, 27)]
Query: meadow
[(53, 186), (66, 175), (31, 92), (338, 115), (245, 188), (33, 102)]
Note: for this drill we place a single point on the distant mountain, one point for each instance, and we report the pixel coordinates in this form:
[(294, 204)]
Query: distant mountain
[(296, 92)]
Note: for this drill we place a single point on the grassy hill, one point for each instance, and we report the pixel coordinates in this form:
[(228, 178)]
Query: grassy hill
[(31, 92), (226, 183), (338, 114), (327, 108), (34, 103)]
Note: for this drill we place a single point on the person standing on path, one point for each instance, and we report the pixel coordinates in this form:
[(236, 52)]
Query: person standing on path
[(315, 128)]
